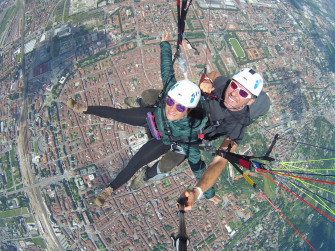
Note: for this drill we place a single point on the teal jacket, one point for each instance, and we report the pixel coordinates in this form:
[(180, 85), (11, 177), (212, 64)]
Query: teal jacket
[(186, 127)]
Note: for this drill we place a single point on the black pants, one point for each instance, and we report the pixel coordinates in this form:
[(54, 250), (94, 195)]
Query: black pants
[(150, 151)]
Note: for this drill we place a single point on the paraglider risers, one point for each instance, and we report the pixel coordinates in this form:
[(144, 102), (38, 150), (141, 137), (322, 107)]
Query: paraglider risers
[(248, 162)]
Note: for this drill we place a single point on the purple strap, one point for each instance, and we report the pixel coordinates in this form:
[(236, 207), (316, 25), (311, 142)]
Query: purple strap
[(152, 126)]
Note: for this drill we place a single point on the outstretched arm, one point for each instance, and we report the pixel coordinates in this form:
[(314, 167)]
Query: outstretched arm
[(167, 71), (210, 176)]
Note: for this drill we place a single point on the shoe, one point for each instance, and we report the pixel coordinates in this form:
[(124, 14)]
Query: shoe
[(140, 180), (150, 96), (100, 200), (132, 102), (215, 199), (77, 107)]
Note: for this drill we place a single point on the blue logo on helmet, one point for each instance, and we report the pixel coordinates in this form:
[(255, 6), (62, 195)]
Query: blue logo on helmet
[(257, 83), (174, 87), (192, 98)]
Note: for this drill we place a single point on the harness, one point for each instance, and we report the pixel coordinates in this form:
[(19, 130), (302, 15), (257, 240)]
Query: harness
[(152, 126)]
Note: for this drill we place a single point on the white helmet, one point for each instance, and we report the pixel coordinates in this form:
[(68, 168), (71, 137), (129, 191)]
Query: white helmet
[(250, 79), (185, 93)]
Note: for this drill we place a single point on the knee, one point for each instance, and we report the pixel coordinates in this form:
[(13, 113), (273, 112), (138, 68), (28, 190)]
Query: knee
[(150, 96), (165, 167), (169, 161)]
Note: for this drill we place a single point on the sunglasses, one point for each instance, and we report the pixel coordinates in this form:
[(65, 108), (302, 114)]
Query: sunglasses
[(242, 92), (180, 108)]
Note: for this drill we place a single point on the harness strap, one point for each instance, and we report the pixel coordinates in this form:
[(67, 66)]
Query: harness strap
[(152, 126)]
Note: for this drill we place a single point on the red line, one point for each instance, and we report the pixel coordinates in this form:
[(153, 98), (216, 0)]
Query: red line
[(296, 196), (202, 78), (303, 178), (286, 219), (212, 96)]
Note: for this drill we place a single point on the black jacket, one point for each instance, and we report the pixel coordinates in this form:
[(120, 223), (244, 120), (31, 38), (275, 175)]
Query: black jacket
[(223, 122)]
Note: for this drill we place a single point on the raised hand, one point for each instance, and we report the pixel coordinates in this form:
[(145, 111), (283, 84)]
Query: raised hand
[(166, 36)]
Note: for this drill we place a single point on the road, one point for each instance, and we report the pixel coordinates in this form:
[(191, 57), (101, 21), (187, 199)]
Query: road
[(38, 208)]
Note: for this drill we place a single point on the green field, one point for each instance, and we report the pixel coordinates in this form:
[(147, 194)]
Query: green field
[(269, 188), (237, 49), (39, 242), (14, 212)]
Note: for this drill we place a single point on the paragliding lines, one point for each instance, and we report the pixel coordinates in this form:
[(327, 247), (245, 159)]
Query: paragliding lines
[(260, 171), (293, 171), (293, 176), (289, 164), (315, 174), (302, 184), (308, 188), (286, 219), (320, 199)]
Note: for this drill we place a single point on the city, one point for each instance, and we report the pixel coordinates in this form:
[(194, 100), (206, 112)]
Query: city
[(54, 162)]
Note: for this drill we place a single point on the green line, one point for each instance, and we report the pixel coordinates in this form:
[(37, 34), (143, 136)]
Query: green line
[(303, 169), (326, 208), (278, 169), (306, 170), (308, 195), (319, 187), (306, 161), (318, 196)]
